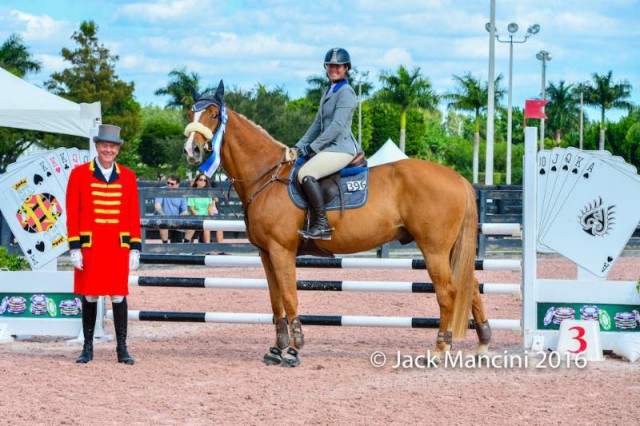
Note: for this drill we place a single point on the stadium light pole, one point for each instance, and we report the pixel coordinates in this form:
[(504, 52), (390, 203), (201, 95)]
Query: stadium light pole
[(543, 56), (512, 28), (488, 168)]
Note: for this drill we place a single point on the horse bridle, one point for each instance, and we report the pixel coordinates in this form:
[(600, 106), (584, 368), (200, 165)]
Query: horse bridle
[(207, 133)]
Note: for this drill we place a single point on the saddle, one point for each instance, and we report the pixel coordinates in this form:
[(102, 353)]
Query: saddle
[(353, 178), (330, 184)]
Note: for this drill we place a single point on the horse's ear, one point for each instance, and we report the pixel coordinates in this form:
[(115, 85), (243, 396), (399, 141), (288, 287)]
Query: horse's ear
[(220, 91), (194, 93)]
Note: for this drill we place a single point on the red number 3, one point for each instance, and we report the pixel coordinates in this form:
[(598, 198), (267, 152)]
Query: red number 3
[(578, 337)]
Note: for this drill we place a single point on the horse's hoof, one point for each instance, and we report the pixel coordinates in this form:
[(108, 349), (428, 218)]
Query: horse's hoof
[(482, 349), (291, 360), (273, 357)]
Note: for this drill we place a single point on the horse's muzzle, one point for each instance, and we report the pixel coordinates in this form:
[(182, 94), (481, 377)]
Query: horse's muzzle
[(194, 154)]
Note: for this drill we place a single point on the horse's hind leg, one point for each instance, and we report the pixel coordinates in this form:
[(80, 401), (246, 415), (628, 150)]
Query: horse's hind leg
[(440, 273), (482, 323)]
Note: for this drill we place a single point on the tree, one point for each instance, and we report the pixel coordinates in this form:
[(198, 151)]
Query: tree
[(271, 109), (563, 111), (91, 77), (16, 58), (179, 89), (471, 95), (602, 92), (407, 89), (161, 139)]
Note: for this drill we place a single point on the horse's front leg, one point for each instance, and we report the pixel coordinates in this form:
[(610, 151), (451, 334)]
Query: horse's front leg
[(274, 355), (279, 282)]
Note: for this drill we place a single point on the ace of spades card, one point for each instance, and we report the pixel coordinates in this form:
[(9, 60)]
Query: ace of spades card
[(596, 218), (32, 201)]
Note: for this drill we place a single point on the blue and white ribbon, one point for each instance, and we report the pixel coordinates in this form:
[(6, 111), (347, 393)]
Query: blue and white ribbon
[(210, 166)]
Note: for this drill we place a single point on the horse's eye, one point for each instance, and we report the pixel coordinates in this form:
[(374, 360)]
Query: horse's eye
[(214, 115)]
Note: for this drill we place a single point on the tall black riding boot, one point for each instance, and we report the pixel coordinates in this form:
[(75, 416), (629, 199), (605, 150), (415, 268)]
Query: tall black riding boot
[(89, 312), (120, 313), (319, 228)]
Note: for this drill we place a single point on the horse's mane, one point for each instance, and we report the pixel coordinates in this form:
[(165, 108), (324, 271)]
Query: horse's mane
[(261, 130)]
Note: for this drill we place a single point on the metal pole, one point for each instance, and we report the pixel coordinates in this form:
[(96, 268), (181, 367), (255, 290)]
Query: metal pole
[(360, 113), (581, 115), (488, 170), (509, 111), (544, 97)]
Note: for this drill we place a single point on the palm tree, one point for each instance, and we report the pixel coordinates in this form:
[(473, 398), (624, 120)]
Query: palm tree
[(471, 95), (605, 94), (179, 88), (407, 89), (563, 110), (16, 58)]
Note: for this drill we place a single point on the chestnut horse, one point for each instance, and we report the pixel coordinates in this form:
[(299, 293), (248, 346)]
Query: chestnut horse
[(408, 200)]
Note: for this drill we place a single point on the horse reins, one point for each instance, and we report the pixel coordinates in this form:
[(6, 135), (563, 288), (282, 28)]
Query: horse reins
[(275, 177)]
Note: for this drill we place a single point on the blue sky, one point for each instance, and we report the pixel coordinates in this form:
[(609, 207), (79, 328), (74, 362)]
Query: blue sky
[(282, 42)]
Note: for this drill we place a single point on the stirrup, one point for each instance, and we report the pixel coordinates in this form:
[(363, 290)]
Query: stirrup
[(324, 234)]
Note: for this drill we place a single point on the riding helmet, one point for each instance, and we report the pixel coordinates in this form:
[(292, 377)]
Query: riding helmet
[(337, 56)]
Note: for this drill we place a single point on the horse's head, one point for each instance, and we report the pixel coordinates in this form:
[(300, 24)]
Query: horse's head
[(204, 119)]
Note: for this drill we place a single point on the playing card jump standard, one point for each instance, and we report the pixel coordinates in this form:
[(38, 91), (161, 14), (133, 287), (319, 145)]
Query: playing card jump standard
[(589, 206)]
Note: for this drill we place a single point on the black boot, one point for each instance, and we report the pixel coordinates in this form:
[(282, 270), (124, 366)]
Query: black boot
[(319, 224), (89, 312), (120, 313)]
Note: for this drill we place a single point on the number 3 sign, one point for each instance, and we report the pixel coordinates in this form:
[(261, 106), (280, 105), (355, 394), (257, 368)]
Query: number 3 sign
[(580, 338)]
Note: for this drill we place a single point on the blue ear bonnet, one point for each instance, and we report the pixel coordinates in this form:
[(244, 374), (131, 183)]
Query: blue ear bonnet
[(205, 101)]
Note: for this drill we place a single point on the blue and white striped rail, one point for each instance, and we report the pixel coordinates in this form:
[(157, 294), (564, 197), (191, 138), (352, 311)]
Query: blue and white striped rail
[(318, 262), (322, 320), (310, 285), (504, 229)]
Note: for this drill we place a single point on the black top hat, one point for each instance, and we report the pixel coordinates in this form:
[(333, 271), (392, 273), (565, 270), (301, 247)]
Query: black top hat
[(108, 133)]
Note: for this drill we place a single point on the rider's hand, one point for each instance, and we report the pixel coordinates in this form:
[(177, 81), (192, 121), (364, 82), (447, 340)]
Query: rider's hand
[(303, 151)]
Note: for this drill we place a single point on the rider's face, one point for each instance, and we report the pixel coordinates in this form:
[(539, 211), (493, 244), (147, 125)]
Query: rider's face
[(336, 72)]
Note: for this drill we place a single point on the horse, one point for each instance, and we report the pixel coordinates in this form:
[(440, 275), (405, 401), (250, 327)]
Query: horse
[(410, 199)]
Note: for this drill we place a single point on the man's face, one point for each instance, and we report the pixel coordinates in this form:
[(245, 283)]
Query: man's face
[(172, 183), (107, 152)]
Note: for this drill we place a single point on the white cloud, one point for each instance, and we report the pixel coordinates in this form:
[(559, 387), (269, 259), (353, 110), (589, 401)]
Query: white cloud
[(36, 27), (164, 10)]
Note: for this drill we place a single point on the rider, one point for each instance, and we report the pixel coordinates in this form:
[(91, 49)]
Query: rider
[(329, 142)]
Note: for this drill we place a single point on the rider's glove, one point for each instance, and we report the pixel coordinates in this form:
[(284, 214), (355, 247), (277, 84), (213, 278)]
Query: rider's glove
[(134, 260), (76, 258), (304, 151)]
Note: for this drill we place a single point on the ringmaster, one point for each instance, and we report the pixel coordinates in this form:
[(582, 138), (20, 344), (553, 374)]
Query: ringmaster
[(103, 225)]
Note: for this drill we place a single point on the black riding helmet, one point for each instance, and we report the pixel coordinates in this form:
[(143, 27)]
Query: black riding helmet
[(337, 56)]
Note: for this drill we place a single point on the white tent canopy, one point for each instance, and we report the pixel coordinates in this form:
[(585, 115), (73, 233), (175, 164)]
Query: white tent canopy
[(389, 152), (25, 106)]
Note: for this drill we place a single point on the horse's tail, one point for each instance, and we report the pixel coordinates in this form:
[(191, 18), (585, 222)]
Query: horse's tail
[(463, 257)]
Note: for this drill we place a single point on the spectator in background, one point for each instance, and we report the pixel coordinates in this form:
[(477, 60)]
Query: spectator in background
[(203, 206), (171, 206)]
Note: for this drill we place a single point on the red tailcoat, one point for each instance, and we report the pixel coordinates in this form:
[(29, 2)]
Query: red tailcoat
[(103, 219)]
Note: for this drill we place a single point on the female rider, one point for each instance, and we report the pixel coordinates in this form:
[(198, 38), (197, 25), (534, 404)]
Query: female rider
[(328, 143)]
